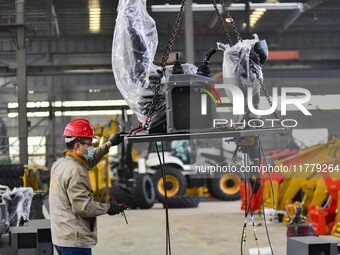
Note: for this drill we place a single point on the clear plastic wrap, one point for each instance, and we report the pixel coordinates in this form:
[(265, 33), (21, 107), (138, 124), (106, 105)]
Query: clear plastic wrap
[(241, 66), (18, 204), (134, 47)]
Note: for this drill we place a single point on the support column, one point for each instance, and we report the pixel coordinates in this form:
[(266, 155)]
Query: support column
[(189, 33), (21, 79), (50, 138), (247, 18)]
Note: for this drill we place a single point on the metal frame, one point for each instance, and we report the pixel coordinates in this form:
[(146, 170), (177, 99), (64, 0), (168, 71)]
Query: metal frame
[(232, 7), (214, 133)]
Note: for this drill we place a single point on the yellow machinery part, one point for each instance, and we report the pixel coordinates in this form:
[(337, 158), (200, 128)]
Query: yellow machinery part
[(336, 227), (292, 187), (196, 191), (312, 185), (316, 193), (268, 197), (174, 186), (100, 176), (31, 177), (230, 183)]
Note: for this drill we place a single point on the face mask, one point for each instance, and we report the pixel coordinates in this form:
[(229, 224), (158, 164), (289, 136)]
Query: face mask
[(90, 153)]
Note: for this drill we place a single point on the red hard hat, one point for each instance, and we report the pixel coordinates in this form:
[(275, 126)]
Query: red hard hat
[(79, 128)]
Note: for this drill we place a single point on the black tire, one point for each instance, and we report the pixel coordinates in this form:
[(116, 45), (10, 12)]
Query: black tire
[(183, 202), (12, 182), (124, 195), (11, 171), (145, 191), (226, 187), (176, 183)]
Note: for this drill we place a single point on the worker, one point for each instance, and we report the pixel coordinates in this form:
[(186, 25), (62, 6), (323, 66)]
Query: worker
[(73, 210)]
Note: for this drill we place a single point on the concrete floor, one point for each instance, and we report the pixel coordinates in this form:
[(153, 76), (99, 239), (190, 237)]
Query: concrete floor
[(212, 229)]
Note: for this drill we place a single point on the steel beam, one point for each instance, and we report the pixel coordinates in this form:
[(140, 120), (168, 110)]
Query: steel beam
[(21, 80), (189, 33), (291, 19), (297, 13), (232, 7)]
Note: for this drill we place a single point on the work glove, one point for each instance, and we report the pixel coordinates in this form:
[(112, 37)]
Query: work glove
[(117, 139), (116, 208)]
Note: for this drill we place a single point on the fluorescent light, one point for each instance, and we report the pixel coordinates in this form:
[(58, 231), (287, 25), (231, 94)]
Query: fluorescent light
[(92, 103), (260, 10), (256, 15), (257, 12), (254, 18), (12, 105), (37, 104), (119, 102), (37, 114), (88, 113), (71, 113), (13, 115), (41, 104), (91, 113), (232, 7), (94, 16)]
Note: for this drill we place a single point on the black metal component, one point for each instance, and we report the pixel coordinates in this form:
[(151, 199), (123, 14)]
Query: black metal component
[(158, 122), (261, 48), (177, 68), (204, 68)]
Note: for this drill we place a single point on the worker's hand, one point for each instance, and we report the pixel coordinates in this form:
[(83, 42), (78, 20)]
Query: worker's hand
[(117, 139), (116, 208)]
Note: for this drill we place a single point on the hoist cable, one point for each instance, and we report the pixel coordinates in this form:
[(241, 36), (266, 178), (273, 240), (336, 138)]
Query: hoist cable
[(264, 214), (167, 223), (165, 57), (224, 28), (248, 208)]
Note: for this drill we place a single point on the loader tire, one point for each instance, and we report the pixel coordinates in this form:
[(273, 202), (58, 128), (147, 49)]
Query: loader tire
[(175, 183), (124, 195), (145, 191), (11, 171), (12, 182), (226, 187), (183, 202)]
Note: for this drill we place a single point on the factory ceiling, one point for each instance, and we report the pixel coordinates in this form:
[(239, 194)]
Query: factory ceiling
[(70, 18)]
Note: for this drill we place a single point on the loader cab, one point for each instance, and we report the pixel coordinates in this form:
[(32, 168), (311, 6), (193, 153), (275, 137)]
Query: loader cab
[(184, 150)]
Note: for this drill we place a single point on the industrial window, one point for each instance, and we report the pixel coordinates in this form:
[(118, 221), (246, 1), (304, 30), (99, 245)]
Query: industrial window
[(36, 149)]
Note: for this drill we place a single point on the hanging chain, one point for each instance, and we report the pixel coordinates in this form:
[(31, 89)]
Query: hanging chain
[(173, 36), (252, 63), (231, 20), (267, 95), (224, 28), (161, 74), (163, 63)]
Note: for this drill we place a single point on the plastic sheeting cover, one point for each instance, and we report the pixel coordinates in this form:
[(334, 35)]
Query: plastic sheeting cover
[(18, 204), (239, 68), (134, 47)]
